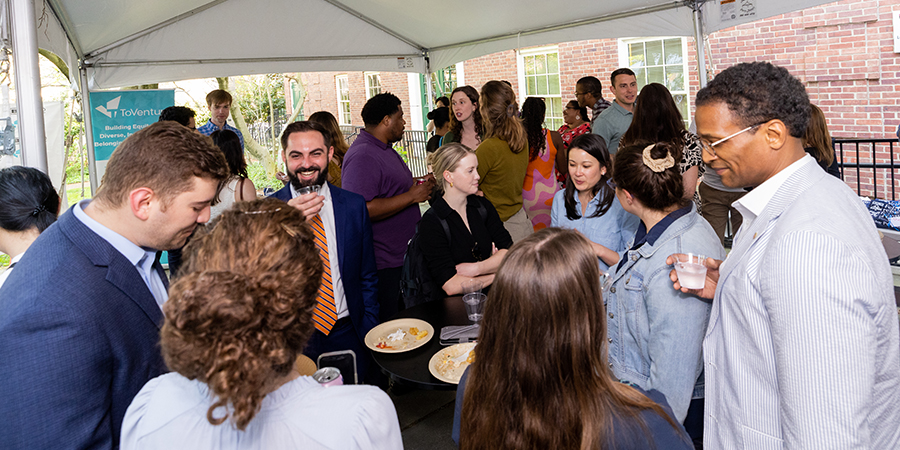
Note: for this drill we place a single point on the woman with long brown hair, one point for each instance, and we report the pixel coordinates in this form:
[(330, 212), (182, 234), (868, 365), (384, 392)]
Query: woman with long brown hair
[(503, 157), (235, 323), (540, 377), (327, 120), (465, 118), (817, 142), (657, 119)]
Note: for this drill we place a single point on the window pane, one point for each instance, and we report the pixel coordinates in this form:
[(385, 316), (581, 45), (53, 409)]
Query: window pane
[(655, 75), (529, 65), (553, 62), (540, 64), (641, 74), (553, 81), (654, 53), (530, 86), (673, 51), (636, 54), (542, 85), (681, 102), (674, 78)]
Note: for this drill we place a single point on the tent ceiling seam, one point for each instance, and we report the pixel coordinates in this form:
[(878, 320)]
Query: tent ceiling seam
[(370, 21), (102, 63), (148, 30), (598, 19), (63, 19)]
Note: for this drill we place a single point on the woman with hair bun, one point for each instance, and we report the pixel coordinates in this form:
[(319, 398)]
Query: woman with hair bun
[(235, 323), (540, 379), (503, 157), (28, 205), (655, 331)]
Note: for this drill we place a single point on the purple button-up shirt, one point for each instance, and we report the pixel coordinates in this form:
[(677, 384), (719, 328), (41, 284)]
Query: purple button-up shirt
[(374, 170)]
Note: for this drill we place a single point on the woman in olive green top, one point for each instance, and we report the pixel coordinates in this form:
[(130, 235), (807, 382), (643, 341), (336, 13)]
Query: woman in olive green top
[(503, 157)]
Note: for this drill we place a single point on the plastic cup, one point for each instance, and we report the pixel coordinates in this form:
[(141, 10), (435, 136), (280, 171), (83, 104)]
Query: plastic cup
[(474, 302), (308, 189), (691, 270)]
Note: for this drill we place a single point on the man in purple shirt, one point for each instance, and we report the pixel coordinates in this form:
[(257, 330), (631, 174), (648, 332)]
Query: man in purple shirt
[(374, 170)]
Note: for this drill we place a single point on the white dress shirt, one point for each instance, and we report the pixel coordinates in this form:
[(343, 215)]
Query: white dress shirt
[(12, 262), (327, 215)]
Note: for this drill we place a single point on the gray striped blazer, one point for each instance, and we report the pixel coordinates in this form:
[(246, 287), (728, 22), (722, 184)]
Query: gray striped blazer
[(803, 347)]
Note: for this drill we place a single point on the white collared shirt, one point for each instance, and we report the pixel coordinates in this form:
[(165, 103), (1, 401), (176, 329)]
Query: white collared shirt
[(753, 203), (140, 258), (12, 262), (327, 214)]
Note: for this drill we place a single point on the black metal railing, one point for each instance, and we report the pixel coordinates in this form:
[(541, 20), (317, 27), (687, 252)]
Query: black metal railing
[(869, 166)]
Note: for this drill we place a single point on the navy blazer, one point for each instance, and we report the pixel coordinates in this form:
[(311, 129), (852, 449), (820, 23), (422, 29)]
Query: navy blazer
[(356, 255), (79, 338)]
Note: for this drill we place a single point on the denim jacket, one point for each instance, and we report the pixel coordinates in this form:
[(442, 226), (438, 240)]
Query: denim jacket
[(641, 299), (611, 230)]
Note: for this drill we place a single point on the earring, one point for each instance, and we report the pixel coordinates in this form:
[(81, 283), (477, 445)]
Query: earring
[(577, 117), (451, 184)]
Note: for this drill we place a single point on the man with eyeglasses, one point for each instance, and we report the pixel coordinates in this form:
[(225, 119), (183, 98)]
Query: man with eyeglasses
[(589, 94), (803, 347)]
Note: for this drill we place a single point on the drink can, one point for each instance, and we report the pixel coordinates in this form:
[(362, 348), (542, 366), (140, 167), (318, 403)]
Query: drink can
[(329, 376)]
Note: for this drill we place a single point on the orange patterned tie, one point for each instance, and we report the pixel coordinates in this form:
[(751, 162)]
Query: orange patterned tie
[(325, 314)]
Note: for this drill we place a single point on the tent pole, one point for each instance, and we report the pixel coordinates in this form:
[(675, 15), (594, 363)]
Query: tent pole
[(28, 85), (699, 42), (88, 127)]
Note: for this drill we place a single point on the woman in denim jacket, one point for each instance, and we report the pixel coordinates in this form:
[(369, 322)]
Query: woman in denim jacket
[(589, 205), (669, 358)]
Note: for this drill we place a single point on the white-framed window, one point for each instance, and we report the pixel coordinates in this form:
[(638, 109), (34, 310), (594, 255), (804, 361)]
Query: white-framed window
[(342, 86), (373, 84), (539, 77), (660, 60)]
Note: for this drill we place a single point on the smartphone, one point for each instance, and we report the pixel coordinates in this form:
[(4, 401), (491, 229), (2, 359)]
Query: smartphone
[(343, 360)]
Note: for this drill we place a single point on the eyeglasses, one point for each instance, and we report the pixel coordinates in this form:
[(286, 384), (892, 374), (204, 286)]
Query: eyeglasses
[(579, 94), (711, 147), (612, 184)]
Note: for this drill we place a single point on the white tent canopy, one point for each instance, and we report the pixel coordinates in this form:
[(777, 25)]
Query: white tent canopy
[(130, 42), (117, 43)]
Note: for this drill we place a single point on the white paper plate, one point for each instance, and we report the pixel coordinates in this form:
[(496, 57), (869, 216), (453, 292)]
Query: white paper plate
[(381, 331), (450, 374)]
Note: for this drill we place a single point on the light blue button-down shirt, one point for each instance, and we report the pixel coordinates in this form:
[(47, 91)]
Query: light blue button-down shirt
[(140, 258), (612, 230)]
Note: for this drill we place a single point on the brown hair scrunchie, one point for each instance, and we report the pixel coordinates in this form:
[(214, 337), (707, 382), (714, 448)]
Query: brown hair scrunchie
[(657, 165)]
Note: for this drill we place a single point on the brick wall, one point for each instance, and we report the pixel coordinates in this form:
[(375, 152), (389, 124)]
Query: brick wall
[(321, 89), (842, 51)]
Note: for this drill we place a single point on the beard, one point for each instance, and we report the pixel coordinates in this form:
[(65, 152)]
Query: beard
[(297, 183)]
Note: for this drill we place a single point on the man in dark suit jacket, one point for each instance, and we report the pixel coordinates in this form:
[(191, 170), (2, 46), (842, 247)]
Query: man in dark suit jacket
[(344, 219), (80, 315)]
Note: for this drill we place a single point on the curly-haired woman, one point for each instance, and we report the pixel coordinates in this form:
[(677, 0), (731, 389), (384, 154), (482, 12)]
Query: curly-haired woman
[(235, 323)]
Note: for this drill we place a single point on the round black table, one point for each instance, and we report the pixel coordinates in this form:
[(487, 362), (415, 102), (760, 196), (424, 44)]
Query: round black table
[(411, 368)]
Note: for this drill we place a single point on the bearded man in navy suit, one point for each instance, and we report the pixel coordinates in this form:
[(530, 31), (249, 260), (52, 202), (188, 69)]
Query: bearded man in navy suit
[(80, 315), (348, 308)]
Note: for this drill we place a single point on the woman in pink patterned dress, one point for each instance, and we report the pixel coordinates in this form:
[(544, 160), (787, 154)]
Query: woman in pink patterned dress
[(545, 156)]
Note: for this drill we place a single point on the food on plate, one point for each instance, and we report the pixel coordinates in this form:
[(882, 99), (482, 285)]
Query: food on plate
[(399, 339), (449, 364)]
